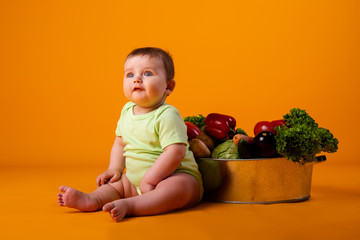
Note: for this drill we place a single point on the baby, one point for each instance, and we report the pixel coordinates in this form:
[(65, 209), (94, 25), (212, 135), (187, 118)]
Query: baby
[(151, 145)]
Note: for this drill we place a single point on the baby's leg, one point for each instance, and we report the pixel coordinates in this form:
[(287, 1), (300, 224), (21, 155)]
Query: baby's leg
[(180, 190), (94, 201)]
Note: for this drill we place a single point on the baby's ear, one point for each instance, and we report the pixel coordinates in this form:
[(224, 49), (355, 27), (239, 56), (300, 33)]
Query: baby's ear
[(170, 87)]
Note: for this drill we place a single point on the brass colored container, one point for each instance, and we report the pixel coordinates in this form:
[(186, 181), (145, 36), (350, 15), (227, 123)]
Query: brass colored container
[(267, 180)]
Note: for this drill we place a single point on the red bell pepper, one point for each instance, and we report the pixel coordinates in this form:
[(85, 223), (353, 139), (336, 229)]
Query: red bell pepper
[(219, 126), (268, 126), (192, 130)]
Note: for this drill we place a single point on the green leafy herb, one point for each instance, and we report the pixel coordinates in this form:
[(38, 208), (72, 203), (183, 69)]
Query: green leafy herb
[(301, 138), (197, 120)]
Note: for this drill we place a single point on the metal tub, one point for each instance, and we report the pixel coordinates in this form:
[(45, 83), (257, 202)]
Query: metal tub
[(262, 180)]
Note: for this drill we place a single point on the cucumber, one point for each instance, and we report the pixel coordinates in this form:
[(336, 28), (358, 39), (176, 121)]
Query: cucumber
[(246, 149)]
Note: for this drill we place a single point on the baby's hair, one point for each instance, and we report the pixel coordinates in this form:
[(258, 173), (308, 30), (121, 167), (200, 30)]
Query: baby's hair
[(157, 52)]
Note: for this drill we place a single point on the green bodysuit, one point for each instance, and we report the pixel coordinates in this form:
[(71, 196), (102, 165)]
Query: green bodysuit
[(145, 137)]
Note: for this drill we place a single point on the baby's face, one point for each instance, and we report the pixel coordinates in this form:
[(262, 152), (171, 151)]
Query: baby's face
[(145, 81)]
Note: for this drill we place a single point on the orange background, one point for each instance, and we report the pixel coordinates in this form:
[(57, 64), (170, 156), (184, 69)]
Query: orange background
[(62, 64), (61, 67)]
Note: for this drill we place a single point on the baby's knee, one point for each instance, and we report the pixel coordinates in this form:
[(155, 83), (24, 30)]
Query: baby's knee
[(188, 188)]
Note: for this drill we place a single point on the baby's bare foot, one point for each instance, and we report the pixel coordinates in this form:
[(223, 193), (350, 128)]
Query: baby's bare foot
[(117, 209), (73, 198)]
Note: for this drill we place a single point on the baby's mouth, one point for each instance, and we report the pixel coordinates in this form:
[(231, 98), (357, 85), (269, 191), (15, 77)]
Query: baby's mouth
[(137, 89)]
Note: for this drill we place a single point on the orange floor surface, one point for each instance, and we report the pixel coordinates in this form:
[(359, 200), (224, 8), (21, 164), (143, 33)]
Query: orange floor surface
[(29, 210)]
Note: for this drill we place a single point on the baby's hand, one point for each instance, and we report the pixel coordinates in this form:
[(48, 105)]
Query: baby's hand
[(111, 174), (146, 187)]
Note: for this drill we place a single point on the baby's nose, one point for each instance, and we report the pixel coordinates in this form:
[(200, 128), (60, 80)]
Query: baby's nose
[(137, 80)]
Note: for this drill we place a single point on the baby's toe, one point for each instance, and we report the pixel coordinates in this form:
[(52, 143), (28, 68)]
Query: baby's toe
[(114, 211), (118, 216), (63, 188), (108, 207)]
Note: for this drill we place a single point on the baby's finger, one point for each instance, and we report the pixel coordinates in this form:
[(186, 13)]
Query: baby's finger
[(98, 181), (115, 177), (103, 180)]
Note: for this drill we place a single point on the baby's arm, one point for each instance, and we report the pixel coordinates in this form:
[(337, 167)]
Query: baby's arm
[(163, 167), (117, 163)]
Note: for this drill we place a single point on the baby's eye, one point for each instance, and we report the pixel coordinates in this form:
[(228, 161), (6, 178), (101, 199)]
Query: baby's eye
[(129, 75), (147, 73)]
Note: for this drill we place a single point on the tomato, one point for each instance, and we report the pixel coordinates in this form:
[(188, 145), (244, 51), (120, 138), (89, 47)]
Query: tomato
[(278, 122), (268, 126), (263, 126)]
